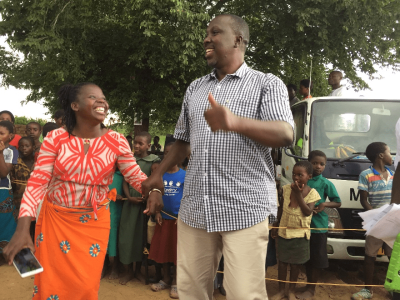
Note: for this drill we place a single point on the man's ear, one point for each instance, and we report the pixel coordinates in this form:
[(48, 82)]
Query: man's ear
[(238, 41), (12, 135), (75, 106)]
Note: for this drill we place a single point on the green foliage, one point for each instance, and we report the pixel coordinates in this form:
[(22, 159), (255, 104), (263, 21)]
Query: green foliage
[(24, 121), (349, 35), (144, 53)]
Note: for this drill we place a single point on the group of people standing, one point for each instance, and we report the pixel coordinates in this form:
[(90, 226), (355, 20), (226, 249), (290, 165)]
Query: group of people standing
[(229, 120), (306, 86)]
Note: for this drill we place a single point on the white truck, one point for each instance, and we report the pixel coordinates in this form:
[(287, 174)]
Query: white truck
[(339, 126)]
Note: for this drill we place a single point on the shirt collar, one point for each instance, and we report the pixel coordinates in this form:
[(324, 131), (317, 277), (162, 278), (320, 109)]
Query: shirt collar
[(377, 173), (239, 72), (315, 178)]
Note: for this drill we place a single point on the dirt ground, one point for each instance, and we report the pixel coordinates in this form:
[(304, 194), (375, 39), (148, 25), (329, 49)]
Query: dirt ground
[(13, 287)]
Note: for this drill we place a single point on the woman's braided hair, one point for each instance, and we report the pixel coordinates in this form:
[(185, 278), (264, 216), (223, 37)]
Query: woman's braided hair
[(68, 94)]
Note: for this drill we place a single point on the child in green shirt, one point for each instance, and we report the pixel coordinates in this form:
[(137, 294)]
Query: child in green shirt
[(318, 240)]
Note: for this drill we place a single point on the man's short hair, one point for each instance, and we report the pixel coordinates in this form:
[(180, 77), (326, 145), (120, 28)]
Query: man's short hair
[(316, 153), (36, 123), (240, 27), (292, 86), (146, 135), (374, 149), (341, 74)]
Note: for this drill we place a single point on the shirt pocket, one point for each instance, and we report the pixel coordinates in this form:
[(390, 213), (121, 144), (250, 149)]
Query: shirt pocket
[(244, 104)]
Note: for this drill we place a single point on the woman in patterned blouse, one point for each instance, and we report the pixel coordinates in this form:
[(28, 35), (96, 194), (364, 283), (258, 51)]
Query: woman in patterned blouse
[(75, 166)]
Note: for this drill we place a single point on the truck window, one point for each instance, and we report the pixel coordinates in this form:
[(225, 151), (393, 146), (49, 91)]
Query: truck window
[(299, 117), (353, 123)]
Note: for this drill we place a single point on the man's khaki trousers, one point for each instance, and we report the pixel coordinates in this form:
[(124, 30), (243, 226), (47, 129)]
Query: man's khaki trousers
[(199, 253)]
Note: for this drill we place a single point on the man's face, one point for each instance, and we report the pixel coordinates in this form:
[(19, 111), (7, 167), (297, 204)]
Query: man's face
[(334, 78), (219, 42)]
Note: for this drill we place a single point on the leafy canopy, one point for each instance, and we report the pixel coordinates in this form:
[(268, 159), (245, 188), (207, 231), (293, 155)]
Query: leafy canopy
[(144, 53)]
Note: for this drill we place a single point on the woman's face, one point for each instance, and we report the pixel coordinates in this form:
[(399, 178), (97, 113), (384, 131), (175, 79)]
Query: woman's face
[(91, 104)]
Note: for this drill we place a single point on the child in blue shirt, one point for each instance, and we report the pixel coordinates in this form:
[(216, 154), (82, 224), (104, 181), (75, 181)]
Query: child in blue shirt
[(375, 185), (164, 243)]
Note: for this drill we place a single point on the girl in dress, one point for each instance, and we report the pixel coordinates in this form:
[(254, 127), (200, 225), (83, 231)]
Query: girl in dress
[(294, 218)]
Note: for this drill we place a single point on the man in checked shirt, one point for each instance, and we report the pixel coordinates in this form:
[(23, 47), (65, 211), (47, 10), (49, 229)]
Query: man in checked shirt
[(230, 118)]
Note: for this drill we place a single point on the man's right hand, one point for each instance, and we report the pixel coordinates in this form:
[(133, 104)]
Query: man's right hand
[(19, 241)]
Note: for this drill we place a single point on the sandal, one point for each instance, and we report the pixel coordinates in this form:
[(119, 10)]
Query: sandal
[(174, 292), (159, 286)]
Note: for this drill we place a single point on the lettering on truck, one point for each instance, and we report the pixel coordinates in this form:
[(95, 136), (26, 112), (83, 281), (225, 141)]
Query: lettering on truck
[(353, 194)]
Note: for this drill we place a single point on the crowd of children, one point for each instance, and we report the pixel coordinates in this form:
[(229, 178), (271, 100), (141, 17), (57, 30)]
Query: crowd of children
[(302, 205)]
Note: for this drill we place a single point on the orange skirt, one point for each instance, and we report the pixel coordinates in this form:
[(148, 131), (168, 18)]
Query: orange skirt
[(71, 246)]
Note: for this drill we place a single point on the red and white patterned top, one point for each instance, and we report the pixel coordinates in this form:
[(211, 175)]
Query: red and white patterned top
[(72, 178)]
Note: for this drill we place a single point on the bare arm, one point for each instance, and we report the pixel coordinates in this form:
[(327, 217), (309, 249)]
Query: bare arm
[(330, 204), (364, 200), (396, 186), (297, 191), (268, 133)]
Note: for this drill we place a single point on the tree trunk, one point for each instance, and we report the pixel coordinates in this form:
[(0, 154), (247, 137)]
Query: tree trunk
[(143, 127)]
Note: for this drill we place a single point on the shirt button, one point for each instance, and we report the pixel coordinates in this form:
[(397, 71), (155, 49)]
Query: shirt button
[(205, 150), (206, 197), (218, 86), (205, 174)]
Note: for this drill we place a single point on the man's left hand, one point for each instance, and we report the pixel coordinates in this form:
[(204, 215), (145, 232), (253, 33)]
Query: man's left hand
[(219, 117)]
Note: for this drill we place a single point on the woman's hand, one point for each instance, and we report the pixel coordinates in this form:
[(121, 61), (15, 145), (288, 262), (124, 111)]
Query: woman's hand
[(20, 240)]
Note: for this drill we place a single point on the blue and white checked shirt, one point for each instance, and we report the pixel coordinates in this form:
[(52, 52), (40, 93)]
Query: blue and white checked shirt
[(230, 183)]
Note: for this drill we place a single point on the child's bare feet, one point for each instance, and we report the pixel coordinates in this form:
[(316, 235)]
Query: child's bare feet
[(127, 277), (279, 296), (113, 275), (307, 294)]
